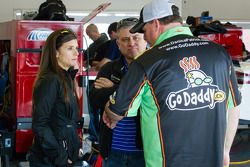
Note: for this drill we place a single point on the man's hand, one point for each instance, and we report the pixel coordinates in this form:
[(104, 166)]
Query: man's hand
[(99, 64), (69, 162), (110, 123), (226, 160), (110, 118), (103, 83), (94, 65)]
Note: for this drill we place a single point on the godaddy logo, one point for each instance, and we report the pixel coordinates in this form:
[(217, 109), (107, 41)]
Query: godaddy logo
[(200, 92)]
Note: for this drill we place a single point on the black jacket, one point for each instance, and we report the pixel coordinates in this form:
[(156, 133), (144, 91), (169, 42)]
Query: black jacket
[(92, 50), (54, 121), (114, 71)]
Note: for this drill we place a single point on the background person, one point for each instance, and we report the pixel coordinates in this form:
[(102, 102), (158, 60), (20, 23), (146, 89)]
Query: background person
[(97, 38), (108, 51), (187, 92), (120, 146), (55, 105)]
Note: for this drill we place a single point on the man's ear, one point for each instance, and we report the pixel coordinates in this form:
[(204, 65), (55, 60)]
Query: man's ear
[(156, 24), (57, 54), (117, 42)]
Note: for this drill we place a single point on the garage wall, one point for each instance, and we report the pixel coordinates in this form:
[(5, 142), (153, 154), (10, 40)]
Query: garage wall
[(219, 9), (8, 6)]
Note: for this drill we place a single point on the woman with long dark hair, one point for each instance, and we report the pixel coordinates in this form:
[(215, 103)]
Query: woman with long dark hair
[(55, 104)]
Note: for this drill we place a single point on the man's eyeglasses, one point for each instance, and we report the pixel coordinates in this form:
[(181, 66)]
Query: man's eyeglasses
[(127, 22), (135, 38)]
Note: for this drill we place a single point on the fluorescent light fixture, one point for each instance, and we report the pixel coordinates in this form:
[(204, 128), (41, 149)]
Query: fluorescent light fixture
[(76, 14), (18, 14), (104, 14), (126, 14)]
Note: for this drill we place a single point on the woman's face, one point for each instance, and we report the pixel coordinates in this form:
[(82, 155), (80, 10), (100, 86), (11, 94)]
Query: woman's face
[(67, 54)]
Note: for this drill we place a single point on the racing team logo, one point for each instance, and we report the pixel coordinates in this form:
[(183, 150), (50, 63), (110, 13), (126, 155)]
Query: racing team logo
[(40, 34), (200, 92)]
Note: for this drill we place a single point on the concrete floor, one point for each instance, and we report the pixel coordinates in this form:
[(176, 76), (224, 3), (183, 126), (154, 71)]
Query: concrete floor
[(243, 142), (26, 164)]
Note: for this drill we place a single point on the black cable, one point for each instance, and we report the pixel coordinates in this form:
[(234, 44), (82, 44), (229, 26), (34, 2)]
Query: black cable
[(86, 81)]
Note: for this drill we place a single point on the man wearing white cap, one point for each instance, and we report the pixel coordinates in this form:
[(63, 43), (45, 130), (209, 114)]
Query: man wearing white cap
[(186, 90)]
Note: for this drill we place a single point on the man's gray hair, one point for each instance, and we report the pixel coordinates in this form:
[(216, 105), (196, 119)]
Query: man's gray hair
[(128, 22)]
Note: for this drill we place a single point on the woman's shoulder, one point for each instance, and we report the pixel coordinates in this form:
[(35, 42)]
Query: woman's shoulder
[(49, 79), (47, 87), (51, 76)]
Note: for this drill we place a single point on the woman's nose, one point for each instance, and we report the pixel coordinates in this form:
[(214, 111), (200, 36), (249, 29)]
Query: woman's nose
[(76, 52)]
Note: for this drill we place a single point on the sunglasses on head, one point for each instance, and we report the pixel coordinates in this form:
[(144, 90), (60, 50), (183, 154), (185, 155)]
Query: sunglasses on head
[(126, 21), (66, 32)]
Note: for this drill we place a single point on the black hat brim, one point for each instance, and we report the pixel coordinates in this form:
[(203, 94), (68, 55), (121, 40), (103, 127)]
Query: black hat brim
[(138, 28)]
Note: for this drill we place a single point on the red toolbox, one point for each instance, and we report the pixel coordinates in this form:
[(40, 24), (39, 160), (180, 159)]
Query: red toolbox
[(232, 41), (25, 40)]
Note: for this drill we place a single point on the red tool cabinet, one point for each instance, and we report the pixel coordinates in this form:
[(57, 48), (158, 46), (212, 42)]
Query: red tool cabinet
[(24, 40)]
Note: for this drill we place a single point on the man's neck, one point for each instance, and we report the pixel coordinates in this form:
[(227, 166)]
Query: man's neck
[(169, 26), (128, 60)]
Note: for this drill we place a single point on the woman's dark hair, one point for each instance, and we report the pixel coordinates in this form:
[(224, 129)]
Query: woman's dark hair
[(48, 58)]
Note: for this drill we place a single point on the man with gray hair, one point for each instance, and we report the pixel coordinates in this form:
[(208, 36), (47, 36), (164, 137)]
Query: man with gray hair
[(121, 146), (186, 90)]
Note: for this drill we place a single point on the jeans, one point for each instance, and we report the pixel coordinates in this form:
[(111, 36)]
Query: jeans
[(124, 159), (94, 121)]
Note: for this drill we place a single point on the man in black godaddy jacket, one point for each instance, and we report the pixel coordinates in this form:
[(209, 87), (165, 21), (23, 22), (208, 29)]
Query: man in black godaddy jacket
[(186, 90)]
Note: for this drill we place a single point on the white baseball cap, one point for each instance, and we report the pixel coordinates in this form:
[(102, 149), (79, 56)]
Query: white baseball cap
[(154, 10)]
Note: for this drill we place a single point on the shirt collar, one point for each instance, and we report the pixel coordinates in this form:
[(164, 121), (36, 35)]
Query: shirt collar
[(173, 32)]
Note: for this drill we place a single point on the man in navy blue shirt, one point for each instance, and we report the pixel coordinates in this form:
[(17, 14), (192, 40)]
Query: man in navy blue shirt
[(120, 146)]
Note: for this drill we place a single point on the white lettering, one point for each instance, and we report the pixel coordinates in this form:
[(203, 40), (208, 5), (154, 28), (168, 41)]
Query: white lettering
[(206, 95), (179, 99), (172, 103), (186, 97), (194, 98), (212, 97), (200, 97)]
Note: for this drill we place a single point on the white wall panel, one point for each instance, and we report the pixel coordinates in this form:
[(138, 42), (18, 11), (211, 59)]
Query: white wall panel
[(8, 6), (219, 9)]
